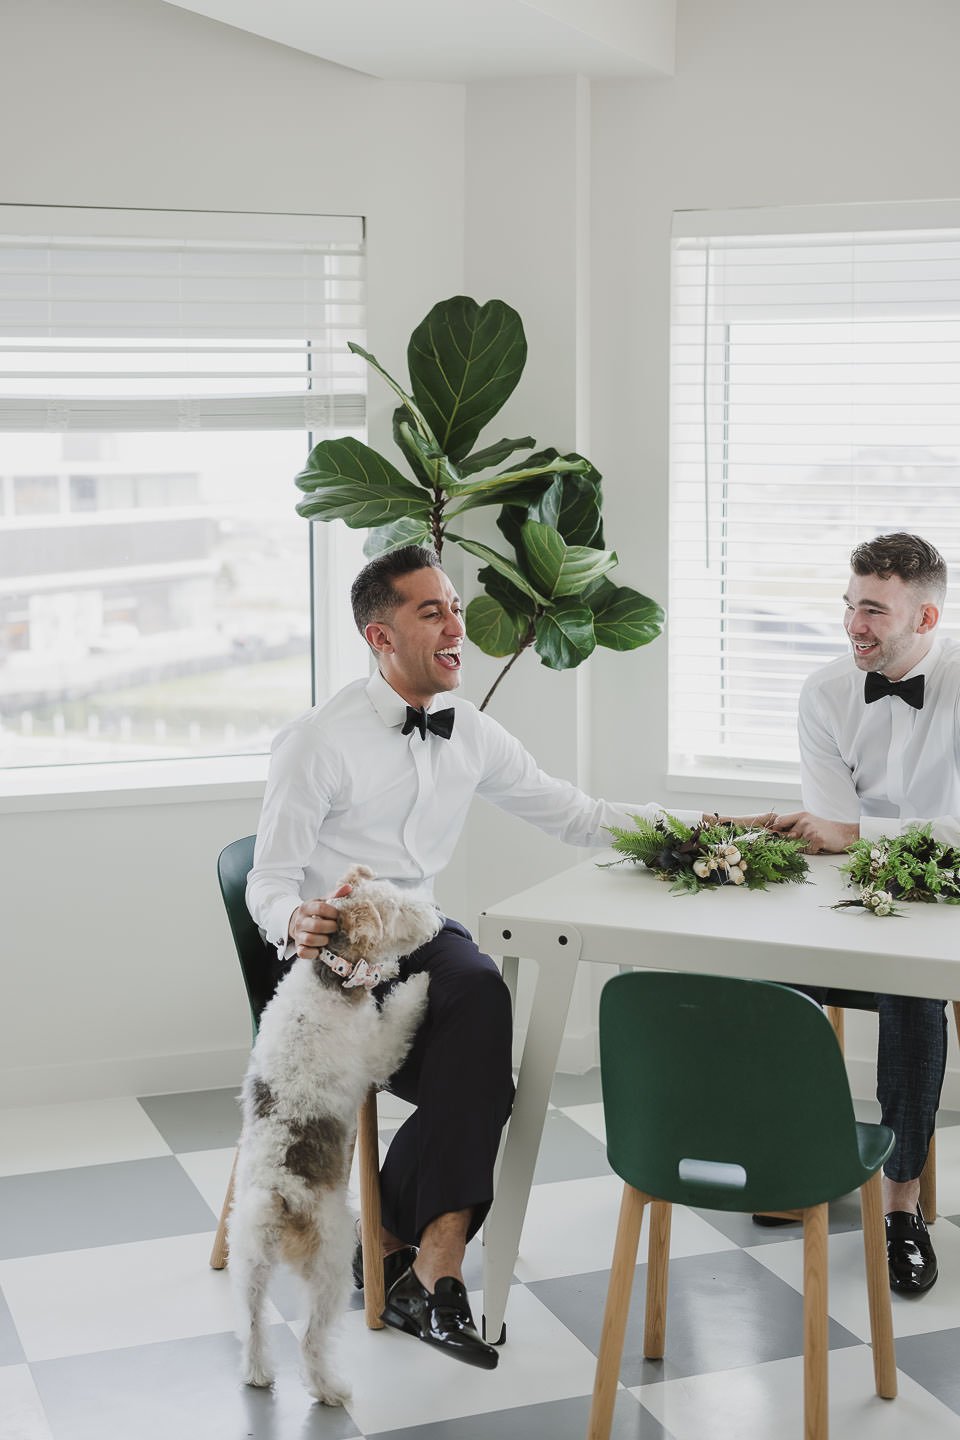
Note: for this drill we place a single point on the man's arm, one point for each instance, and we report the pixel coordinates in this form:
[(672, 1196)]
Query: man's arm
[(295, 803), (831, 820)]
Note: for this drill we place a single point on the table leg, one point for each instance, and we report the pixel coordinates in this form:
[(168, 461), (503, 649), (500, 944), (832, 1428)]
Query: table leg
[(521, 1143)]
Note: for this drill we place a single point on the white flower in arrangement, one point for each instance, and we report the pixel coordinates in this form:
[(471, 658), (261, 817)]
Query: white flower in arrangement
[(736, 874), (876, 854), (702, 868)]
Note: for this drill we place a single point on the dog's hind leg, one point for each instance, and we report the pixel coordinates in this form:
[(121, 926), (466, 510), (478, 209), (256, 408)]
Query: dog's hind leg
[(327, 1275), (253, 1251)]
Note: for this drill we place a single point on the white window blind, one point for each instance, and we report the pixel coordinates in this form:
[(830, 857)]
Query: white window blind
[(158, 320), (815, 402)]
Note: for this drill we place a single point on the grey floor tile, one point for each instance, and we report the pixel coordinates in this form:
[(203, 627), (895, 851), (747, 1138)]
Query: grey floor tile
[(195, 1120), (576, 1089), (85, 1207), (931, 1360), (11, 1351), (568, 1152), (189, 1388), (725, 1310), (557, 1420), (844, 1217)]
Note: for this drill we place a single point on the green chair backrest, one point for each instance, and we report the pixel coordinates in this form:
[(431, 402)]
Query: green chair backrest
[(233, 866), (723, 1093)]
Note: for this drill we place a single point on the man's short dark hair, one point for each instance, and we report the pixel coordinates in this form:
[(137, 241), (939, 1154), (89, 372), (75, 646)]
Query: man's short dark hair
[(372, 594), (915, 560)]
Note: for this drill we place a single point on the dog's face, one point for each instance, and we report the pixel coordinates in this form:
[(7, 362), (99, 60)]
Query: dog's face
[(378, 923)]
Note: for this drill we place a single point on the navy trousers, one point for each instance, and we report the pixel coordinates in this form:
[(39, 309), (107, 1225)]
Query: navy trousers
[(458, 1074), (911, 1062)]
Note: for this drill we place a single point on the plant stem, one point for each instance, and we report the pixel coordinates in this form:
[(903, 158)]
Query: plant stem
[(436, 524), (527, 641)]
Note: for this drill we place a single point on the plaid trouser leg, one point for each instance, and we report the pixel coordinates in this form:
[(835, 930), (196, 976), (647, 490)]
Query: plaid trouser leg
[(911, 1060)]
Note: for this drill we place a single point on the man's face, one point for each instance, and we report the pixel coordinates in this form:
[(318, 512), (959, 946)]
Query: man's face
[(889, 625), (419, 646)]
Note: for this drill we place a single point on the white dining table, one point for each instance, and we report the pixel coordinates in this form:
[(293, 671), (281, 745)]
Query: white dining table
[(625, 916)]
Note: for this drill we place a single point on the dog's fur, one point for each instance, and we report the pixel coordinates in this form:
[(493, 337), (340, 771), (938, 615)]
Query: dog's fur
[(319, 1049)]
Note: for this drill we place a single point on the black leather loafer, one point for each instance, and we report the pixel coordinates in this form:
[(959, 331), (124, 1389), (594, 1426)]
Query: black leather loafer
[(441, 1318), (910, 1255), (393, 1265)]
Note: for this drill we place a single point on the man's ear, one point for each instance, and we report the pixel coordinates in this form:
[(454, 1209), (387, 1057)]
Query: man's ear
[(929, 618), (377, 636)]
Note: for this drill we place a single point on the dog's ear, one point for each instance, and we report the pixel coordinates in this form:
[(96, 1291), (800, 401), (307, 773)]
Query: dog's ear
[(362, 926), (355, 874)]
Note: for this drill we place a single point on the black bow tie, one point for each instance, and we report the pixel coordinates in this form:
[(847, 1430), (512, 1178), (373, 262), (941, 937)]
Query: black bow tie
[(439, 723), (911, 691)]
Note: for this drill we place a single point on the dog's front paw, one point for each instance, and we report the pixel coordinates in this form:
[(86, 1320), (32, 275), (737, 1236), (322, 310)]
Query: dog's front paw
[(258, 1373), (329, 1389)]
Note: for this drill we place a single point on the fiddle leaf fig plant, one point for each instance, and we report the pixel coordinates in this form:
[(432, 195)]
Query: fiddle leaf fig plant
[(552, 592)]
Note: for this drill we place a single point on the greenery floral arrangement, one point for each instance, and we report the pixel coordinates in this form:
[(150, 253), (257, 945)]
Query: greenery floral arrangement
[(912, 866), (713, 853)]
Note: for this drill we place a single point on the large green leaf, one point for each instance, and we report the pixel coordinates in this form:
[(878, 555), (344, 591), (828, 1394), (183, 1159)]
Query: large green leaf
[(465, 360), (558, 568), (491, 627), (427, 461), (623, 619), (515, 601), (572, 505), (409, 403), (505, 567), (391, 537), (565, 634), (495, 485), (493, 455), (346, 480)]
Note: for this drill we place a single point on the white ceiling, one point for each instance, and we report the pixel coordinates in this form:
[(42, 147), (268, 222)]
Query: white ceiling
[(462, 40)]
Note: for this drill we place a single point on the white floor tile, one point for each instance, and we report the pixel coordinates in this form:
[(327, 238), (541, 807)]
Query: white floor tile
[(21, 1414), (417, 1386), (590, 1117), (939, 1309), (210, 1172), (761, 1401), (571, 1226), (86, 1300), (86, 1132)]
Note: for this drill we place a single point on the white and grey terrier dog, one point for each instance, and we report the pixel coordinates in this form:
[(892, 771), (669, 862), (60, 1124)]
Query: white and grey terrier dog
[(322, 1043)]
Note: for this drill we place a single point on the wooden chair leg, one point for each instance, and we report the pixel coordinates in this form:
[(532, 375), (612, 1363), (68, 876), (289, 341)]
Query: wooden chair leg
[(835, 1016), (878, 1288), (370, 1227), (221, 1247), (956, 1016), (815, 1382), (928, 1183), (615, 1313), (658, 1268)]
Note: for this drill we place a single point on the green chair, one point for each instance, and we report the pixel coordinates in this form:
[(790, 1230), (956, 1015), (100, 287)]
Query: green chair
[(732, 1095), (233, 866)]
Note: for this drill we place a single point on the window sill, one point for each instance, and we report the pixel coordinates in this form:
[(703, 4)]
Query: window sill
[(749, 781), (151, 782)]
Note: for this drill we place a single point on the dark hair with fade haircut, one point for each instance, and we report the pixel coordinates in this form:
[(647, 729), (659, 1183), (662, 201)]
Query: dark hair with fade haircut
[(913, 559), (372, 594)]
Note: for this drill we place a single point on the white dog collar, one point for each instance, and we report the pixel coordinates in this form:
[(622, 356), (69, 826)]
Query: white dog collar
[(352, 975)]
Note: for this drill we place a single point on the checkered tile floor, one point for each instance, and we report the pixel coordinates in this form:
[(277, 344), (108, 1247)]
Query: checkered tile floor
[(112, 1326)]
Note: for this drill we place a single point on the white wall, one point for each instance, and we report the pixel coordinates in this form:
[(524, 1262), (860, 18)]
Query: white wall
[(117, 963)]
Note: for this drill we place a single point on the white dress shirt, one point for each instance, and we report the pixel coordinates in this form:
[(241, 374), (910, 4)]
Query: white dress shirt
[(884, 765), (346, 787)]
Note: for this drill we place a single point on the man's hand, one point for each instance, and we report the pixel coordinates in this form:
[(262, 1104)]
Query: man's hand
[(313, 922), (749, 822), (822, 837)]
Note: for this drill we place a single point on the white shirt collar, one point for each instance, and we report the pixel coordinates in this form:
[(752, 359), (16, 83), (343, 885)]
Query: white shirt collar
[(391, 707)]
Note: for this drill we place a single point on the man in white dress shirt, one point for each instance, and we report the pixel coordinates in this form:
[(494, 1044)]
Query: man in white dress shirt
[(383, 776), (879, 752)]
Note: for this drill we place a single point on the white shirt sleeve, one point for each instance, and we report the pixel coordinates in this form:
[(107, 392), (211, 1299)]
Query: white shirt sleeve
[(301, 784), (826, 782), (513, 781)]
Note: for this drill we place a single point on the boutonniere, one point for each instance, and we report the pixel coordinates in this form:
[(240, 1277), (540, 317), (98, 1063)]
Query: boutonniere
[(907, 867), (708, 855)]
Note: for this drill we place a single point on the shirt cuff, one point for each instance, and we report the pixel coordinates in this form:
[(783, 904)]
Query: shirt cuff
[(277, 929)]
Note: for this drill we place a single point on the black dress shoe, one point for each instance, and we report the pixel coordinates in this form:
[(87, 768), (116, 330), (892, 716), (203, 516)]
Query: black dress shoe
[(393, 1265), (910, 1256), (441, 1318)]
